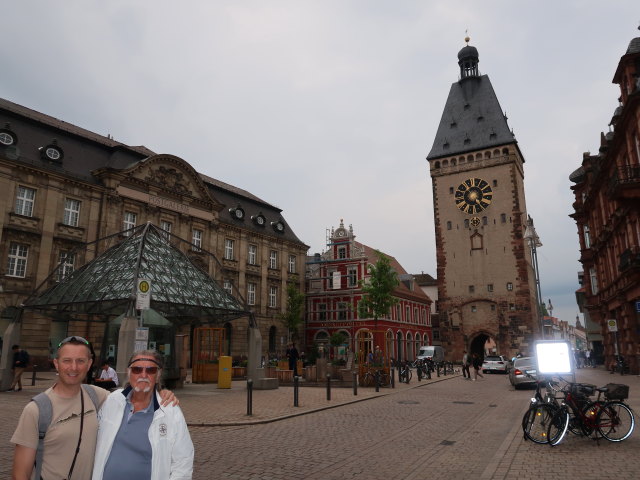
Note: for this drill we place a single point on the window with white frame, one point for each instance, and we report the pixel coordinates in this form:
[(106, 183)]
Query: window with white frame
[(66, 260), (166, 226), (129, 221), (593, 276), (251, 293), (398, 313), (587, 236), (292, 264), (342, 252), (407, 314), (71, 212), (18, 255), (252, 258), (424, 317), (273, 259), (196, 240), (342, 311), (322, 311), (416, 317), (228, 287), (228, 249), (352, 276), (273, 296), (509, 286), (25, 199)]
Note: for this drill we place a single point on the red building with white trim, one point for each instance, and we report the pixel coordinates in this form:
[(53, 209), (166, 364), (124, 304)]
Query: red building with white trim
[(333, 293)]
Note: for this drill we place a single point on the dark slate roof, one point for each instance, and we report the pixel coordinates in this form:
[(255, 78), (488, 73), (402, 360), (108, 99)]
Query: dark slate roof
[(472, 120), (634, 46)]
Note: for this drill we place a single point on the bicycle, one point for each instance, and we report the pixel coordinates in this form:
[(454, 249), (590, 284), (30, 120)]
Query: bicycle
[(371, 376), (404, 375), (541, 411), (612, 418)]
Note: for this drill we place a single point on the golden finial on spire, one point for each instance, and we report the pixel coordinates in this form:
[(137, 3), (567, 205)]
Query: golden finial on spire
[(466, 36)]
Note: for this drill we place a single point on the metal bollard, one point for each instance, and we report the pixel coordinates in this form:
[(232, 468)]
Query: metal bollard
[(393, 378), (295, 390), (328, 386), (249, 397), (355, 383), (377, 381), (33, 376)]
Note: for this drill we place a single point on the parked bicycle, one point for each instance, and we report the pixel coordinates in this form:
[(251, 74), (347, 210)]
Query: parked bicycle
[(542, 410), (404, 375), (372, 376), (610, 418)]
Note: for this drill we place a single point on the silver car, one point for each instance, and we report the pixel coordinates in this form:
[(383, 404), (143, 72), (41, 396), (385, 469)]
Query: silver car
[(517, 375)]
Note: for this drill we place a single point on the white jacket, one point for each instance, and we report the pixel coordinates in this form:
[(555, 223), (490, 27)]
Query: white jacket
[(172, 449)]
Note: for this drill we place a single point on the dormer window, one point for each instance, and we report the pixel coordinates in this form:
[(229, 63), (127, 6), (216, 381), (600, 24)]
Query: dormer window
[(52, 152), (259, 220), (6, 138), (237, 212), (278, 226)]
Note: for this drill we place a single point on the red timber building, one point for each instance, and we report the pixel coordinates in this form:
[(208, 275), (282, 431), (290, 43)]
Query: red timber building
[(607, 214), (333, 293)]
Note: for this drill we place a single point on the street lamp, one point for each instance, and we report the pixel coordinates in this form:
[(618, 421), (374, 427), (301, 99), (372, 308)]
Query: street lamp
[(534, 242)]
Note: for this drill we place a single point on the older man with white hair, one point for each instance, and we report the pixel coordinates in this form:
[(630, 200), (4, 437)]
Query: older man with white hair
[(137, 437)]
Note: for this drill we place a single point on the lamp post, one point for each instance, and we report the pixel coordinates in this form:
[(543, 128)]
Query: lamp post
[(534, 242)]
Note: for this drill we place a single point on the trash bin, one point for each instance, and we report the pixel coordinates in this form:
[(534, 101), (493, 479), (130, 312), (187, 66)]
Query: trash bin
[(224, 372)]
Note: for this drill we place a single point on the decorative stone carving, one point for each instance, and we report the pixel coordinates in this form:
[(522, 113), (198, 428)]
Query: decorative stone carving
[(168, 178)]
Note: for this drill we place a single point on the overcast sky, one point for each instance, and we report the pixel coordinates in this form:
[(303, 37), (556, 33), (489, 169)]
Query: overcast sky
[(327, 109)]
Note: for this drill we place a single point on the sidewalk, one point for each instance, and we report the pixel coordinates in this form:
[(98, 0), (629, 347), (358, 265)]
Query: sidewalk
[(208, 405)]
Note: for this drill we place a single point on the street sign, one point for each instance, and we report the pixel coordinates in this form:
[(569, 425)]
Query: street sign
[(612, 325), (142, 339), (143, 294)]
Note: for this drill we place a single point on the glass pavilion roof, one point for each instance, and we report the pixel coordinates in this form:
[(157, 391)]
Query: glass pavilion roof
[(180, 290)]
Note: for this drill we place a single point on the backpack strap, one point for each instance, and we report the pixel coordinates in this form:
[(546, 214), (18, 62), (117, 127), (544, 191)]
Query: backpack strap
[(89, 390), (45, 409), (45, 415)]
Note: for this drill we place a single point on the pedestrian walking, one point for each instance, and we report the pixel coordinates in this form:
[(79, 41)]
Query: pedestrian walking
[(20, 363), (476, 361), (466, 363), (587, 356)]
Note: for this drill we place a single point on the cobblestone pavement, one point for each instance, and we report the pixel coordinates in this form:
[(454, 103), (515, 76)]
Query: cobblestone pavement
[(447, 428)]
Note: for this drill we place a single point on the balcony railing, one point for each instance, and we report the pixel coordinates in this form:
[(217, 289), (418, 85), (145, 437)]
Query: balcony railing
[(629, 259), (626, 181)]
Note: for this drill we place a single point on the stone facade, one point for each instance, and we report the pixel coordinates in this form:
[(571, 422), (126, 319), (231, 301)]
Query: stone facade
[(62, 186)]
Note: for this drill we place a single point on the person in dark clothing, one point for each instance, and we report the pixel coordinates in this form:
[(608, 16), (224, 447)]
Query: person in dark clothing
[(477, 364), (292, 355), (20, 362)]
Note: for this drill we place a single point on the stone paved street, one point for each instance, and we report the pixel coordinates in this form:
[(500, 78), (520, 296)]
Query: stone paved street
[(447, 428)]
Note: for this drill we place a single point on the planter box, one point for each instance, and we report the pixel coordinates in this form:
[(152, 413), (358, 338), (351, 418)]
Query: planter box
[(310, 373), (284, 365), (285, 376), (239, 372), (205, 373), (270, 372)]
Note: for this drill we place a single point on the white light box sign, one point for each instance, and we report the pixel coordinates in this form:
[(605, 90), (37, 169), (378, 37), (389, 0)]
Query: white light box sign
[(553, 357)]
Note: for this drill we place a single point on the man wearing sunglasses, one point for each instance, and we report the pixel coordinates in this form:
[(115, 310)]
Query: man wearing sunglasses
[(138, 438), (70, 440)]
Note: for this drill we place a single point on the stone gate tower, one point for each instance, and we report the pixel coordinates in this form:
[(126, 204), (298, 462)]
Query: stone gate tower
[(486, 282)]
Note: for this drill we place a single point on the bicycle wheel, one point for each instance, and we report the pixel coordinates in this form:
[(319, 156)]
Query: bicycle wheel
[(590, 413), (368, 380), (558, 426), (615, 421), (536, 420)]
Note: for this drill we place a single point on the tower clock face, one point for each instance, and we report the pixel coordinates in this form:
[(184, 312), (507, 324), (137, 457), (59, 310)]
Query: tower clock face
[(473, 196)]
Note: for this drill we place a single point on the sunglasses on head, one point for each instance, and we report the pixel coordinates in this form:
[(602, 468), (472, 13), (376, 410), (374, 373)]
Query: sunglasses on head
[(138, 370), (74, 340)]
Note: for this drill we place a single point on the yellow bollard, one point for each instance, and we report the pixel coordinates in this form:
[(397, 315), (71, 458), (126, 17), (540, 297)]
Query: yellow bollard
[(224, 372)]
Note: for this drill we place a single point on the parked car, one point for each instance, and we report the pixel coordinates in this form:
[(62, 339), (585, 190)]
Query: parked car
[(517, 375), (495, 363)]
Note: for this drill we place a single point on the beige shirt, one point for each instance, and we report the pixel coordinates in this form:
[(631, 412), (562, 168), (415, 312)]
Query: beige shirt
[(62, 436)]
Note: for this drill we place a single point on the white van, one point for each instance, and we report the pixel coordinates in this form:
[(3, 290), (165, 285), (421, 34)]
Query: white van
[(433, 352)]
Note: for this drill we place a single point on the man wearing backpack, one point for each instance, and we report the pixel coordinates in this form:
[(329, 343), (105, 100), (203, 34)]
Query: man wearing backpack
[(20, 363), (70, 440)]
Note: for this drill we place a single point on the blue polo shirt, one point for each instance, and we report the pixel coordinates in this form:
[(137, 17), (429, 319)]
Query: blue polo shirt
[(131, 452)]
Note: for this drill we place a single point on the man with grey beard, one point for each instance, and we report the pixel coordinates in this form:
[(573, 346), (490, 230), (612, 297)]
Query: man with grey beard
[(137, 437)]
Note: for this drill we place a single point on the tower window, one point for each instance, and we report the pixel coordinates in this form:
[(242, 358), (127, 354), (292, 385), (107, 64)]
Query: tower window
[(495, 183), (466, 223), (451, 190), (473, 309), (472, 289), (448, 225), (490, 287), (503, 218), (509, 286)]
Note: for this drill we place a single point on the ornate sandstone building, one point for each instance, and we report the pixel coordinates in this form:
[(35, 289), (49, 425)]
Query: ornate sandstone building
[(486, 282)]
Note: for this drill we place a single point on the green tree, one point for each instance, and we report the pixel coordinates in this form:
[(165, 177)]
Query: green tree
[(377, 298), (292, 317)]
